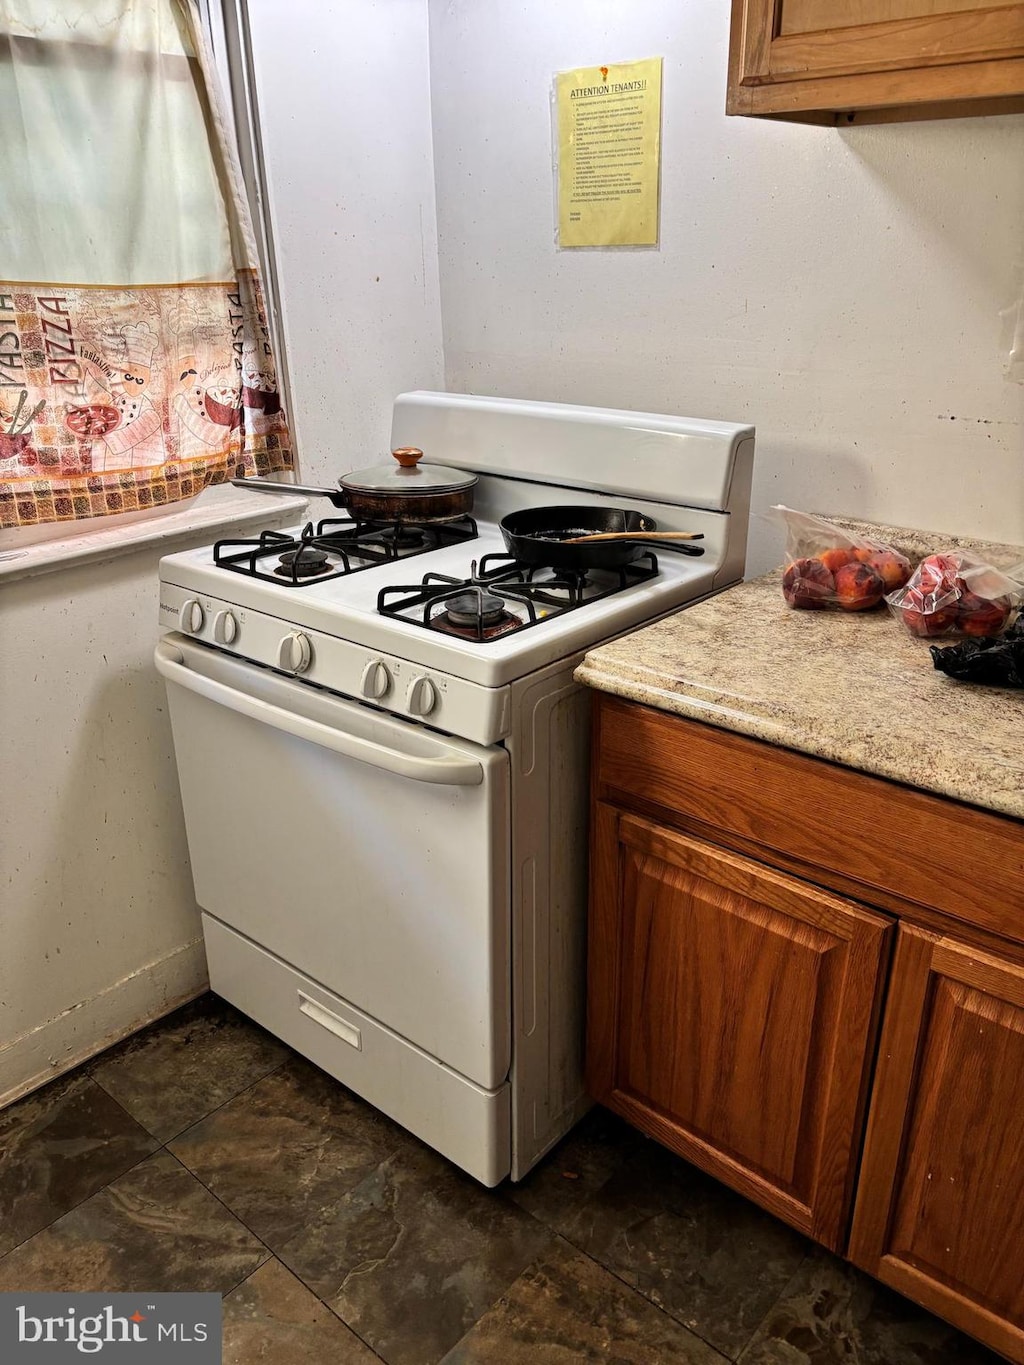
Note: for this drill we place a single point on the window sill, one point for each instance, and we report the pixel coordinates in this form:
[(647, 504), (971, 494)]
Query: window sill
[(214, 510)]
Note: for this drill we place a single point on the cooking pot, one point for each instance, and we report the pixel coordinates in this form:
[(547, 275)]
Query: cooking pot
[(540, 535), (406, 491)]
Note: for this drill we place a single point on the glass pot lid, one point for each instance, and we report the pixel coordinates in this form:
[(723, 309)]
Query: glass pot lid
[(407, 475)]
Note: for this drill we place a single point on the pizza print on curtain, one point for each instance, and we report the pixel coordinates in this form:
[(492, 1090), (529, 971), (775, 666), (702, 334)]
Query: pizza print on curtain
[(115, 400)]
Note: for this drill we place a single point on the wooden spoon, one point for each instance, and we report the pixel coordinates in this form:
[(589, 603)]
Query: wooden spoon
[(635, 535)]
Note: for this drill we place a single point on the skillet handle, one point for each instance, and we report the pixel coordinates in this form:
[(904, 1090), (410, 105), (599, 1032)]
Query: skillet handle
[(679, 547), (633, 535), (269, 486)]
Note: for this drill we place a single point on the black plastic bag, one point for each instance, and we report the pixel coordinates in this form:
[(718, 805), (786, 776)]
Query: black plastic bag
[(997, 660)]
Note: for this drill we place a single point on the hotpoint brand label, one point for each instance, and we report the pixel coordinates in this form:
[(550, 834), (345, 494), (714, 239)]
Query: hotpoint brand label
[(123, 1329)]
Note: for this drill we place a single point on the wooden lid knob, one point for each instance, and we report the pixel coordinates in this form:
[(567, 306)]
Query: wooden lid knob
[(407, 456)]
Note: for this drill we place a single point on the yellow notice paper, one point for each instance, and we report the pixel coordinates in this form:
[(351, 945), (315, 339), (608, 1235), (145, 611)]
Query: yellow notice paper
[(609, 145)]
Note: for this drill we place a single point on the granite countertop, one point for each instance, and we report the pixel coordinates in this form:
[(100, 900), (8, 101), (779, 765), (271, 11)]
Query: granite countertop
[(851, 687)]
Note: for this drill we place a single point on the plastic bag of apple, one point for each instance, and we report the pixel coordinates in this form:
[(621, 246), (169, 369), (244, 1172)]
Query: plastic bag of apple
[(827, 567), (956, 593)]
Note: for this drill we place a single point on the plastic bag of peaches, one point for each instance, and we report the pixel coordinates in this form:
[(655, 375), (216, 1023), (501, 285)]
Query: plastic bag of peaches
[(827, 567), (957, 593)]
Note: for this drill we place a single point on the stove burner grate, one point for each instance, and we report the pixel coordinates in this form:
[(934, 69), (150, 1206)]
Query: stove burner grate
[(477, 607), (335, 547)]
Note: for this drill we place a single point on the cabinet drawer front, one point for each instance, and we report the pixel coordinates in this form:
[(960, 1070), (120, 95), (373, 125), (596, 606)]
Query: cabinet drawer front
[(885, 838), (797, 40), (817, 16), (743, 1019), (922, 41), (940, 1204)]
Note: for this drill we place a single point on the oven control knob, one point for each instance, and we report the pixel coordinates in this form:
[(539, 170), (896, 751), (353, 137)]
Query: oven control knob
[(191, 617), (376, 680), (295, 653), (421, 698), (225, 628)]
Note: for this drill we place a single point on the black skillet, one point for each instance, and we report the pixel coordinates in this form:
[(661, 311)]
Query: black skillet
[(538, 535)]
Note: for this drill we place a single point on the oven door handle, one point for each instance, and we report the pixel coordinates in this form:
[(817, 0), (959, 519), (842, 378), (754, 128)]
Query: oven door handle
[(449, 772)]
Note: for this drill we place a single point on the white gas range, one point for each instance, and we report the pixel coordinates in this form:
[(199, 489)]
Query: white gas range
[(387, 813)]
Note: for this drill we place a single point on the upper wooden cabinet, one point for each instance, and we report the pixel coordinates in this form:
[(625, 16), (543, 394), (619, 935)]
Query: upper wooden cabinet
[(861, 61)]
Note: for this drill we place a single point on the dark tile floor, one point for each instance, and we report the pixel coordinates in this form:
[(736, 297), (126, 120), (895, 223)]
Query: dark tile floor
[(203, 1154)]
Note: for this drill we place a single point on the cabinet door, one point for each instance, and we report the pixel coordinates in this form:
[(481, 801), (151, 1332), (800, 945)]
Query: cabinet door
[(940, 1202), (827, 54), (731, 1015)]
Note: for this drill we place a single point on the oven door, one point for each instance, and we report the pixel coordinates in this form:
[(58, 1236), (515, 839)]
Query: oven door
[(369, 853)]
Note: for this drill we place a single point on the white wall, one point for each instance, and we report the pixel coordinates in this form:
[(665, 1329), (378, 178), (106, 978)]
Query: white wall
[(839, 289), (100, 927), (344, 101)]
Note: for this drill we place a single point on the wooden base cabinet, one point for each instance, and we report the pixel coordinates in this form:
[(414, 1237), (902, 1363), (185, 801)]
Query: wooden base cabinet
[(940, 1204), (732, 1014), (751, 909)]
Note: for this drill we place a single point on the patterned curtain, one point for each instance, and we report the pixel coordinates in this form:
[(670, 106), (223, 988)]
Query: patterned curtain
[(136, 364)]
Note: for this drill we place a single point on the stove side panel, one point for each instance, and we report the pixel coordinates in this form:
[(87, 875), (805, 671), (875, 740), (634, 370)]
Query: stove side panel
[(734, 557), (550, 750)]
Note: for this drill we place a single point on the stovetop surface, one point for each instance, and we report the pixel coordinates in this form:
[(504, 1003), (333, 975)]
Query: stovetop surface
[(347, 607)]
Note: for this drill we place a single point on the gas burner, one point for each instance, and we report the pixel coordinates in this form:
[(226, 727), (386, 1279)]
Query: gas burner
[(475, 615), (403, 537), (471, 609), (336, 547), (396, 539), (305, 561), (504, 624)]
